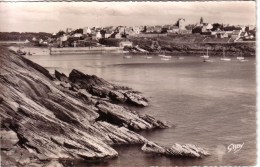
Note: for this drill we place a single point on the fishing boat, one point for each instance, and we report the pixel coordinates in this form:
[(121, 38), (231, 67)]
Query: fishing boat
[(224, 58), (164, 56), (161, 55), (206, 56), (147, 57), (165, 59), (20, 52), (240, 57), (127, 57)]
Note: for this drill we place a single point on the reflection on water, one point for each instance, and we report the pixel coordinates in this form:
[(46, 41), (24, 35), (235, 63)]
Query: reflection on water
[(212, 104)]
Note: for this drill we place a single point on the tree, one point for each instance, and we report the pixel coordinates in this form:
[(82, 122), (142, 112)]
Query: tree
[(60, 33), (80, 31), (217, 26), (144, 30), (196, 30), (201, 20), (190, 26)]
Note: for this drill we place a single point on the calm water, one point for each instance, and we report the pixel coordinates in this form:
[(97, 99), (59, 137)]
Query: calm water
[(212, 104)]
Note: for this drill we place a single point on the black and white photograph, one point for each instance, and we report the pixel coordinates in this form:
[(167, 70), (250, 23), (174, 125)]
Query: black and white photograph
[(128, 84)]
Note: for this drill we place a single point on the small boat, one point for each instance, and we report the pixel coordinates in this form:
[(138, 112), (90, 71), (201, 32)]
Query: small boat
[(162, 54), (165, 59), (168, 57), (148, 57), (127, 57), (206, 56), (180, 58), (224, 58), (242, 60), (240, 57), (207, 60), (19, 52), (29, 53)]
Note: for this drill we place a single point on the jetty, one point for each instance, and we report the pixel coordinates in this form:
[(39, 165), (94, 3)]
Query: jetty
[(84, 50)]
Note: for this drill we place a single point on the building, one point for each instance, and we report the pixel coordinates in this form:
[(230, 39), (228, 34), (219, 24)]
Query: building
[(149, 29), (98, 35), (64, 38), (181, 24), (129, 31), (68, 30), (220, 34), (136, 30), (86, 30), (158, 29), (121, 30), (77, 35), (126, 43), (108, 33), (185, 32), (206, 27), (118, 36), (173, 29)]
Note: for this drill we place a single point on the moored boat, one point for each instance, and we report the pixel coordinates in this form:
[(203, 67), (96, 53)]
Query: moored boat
[(20, 52), (224, 58)]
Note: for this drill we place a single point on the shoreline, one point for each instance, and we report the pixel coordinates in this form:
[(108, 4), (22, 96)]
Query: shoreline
[(76, 117)]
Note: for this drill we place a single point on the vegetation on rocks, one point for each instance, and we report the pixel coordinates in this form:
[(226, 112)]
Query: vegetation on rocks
[(195, 44)]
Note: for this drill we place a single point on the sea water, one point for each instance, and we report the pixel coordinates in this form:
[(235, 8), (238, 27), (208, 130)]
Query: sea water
[(212, 104)]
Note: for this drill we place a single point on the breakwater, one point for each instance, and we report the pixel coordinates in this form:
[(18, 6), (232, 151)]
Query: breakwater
[(83, 50)]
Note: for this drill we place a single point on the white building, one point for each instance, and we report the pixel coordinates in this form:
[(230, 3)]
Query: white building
[(77, 35), (68, 30), (126, 43), (64, 38), (98, 35), (182, 24), (136, 30), (86, 30)]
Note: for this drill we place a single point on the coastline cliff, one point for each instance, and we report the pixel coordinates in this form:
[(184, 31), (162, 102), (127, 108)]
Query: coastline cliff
[(47, 118)]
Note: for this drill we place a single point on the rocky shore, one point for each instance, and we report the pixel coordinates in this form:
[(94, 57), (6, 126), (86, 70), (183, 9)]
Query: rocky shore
[(194, 44), (46, 118)]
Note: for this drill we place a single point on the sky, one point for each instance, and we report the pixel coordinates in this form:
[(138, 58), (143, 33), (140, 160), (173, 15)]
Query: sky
[(54, 16)]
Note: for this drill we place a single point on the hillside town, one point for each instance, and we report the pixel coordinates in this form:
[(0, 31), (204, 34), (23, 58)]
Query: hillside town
[(94, 36), (120, 36)]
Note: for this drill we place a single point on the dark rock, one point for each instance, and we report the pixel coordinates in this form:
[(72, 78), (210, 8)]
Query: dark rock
[(181, 150), (103, 89), (52, 122), (65, 85), (85, 81), (118, 96), (48, 121), (61, 77), (135, 98), (122, 116)]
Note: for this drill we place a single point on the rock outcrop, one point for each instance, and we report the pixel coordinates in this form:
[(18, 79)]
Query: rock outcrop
[(99, 87), (178, 150), (125, 117), (44, 120)]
